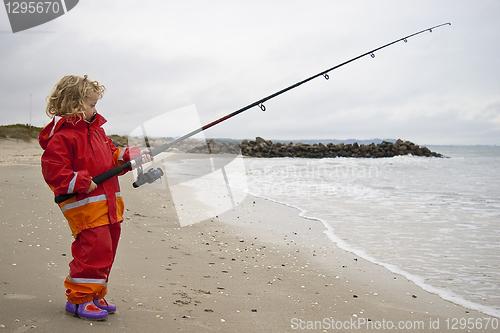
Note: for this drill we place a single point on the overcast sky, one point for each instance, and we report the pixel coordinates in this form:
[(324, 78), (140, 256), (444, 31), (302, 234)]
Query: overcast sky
[(159, 56)]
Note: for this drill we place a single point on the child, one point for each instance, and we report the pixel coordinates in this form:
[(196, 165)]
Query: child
[(76, 150)]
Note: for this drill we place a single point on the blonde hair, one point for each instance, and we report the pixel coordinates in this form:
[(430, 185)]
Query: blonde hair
[(68, 95)]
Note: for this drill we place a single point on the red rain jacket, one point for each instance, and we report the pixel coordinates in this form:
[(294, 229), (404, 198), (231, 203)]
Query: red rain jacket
[(75, 152)]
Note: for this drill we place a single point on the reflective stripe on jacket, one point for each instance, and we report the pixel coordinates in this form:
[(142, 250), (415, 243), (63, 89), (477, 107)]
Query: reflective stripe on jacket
[(75, 152)]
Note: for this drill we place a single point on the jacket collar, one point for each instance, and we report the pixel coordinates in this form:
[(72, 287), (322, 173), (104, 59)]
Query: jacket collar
[(69, 122)]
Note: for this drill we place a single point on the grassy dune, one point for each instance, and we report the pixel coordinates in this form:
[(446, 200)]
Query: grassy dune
[(22, 132)]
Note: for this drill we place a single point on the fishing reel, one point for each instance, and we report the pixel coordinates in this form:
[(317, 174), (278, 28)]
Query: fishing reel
[(149, 177)]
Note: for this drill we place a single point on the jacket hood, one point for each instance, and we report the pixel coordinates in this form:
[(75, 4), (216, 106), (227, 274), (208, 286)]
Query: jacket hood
[(57, 122)]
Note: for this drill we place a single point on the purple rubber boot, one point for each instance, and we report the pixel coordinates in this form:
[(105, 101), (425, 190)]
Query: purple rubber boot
[(86, 310), (101, 303)]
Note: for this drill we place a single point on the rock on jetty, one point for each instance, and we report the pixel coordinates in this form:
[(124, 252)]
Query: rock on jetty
[(267, 148)]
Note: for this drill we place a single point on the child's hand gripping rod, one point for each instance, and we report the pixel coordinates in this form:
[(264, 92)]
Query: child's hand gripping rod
[(101, 178), (138, 161), (121, 168)]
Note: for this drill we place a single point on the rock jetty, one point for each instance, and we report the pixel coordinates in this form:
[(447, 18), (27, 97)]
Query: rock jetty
[(267, 148)]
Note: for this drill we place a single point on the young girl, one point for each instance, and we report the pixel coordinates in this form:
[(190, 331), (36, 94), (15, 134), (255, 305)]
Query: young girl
[(76, 150)]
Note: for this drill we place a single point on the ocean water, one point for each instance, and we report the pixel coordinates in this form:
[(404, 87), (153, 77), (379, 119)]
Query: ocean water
[(434, 220)]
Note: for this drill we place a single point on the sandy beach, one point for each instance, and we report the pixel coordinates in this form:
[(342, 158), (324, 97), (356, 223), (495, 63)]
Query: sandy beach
[(232, 273)]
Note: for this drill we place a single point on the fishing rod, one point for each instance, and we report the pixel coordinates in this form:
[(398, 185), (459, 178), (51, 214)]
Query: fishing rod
[(152, 175)]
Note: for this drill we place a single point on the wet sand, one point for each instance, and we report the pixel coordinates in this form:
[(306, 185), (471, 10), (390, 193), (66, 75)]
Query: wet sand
[(232, 273)]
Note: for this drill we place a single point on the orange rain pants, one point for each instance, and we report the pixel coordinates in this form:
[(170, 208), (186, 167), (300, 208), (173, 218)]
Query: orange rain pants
[(93, 253)]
